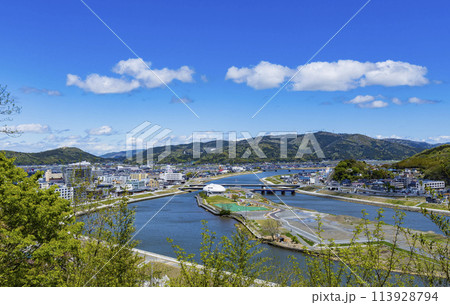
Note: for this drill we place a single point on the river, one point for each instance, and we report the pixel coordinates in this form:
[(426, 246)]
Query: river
[(180, 218)]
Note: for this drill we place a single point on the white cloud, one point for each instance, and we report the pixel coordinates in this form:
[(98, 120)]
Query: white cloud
[(263, 76), (29, 90), (101, 131), (342, 75), (136, 68), (440, 139), (374, 104), (397, 101), (391, 73), (367, 101), (37, 143), (204, 78), (87, 143), (32, 128), (138, 76), (102, 84), (361, 99), (419, 101), (391, 137)]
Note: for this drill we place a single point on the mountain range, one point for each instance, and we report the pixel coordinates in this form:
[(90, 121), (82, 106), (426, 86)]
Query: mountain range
[(334, 147)]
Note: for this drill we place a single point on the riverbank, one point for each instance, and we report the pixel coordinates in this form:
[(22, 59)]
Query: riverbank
[(374, 203), (130, 200), (364, 201), (303, 246)]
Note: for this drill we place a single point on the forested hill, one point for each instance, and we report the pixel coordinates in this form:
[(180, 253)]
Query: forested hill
[(435, 162), (63, 155), (334, 146)]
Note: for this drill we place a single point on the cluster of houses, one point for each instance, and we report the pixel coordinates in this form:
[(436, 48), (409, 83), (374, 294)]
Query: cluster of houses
[(115, 180), (308, 176), (406, 182)]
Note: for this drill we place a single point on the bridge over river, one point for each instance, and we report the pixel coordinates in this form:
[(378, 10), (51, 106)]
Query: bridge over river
[(253, 187)]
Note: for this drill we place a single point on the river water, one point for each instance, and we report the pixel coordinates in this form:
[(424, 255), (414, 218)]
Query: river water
[(180, 218)]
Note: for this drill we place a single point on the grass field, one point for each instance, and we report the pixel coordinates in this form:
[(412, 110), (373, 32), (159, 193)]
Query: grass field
[(218, 199), (142, 195)]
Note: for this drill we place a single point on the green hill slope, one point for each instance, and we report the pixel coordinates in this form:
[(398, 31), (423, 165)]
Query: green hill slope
[(334, 147), (62, 155), (435, 163)]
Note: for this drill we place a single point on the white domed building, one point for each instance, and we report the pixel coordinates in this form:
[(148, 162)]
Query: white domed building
[(214, 189)]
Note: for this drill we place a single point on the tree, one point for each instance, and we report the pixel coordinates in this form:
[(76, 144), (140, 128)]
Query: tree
[(7, 108), (234, 262), (108, 259), (43, 244), (36, 231), (272, 227)]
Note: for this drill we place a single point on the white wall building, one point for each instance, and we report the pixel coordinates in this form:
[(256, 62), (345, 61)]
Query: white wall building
[(436, 185), (113, 179), (65, 192), (170, 177), (135, 184)]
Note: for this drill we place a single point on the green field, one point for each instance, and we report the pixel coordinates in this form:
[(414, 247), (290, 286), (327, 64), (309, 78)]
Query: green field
[(219, 199), (233, 207)]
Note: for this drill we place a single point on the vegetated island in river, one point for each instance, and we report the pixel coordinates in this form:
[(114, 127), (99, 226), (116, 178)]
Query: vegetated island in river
[(296, 228)]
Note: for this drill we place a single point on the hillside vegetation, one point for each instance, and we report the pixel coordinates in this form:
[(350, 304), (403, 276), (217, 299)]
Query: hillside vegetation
[(434, 162), (353, 170), (63, 155), (334, 146)]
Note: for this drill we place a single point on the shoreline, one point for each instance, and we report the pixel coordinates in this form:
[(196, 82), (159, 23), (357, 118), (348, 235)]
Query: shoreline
[(304, 248), (374, 203), (366, 201), (131, 200)]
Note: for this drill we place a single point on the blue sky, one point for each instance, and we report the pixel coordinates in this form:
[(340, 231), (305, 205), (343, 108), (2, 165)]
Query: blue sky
[(385, 74)]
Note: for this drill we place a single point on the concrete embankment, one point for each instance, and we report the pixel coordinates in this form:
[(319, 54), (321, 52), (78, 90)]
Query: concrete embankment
[(374, 203), (131, 200), (151, 257), (159, 258), (201, 203)]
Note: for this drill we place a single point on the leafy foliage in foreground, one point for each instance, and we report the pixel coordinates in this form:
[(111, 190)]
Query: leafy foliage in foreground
[(42, 244), (375, 263), (227, 263)]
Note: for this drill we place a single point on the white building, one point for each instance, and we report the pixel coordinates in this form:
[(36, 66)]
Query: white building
[(113, 179), (214, 189), (436, 185), (134, 184), (170, 177), (65, 192)]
